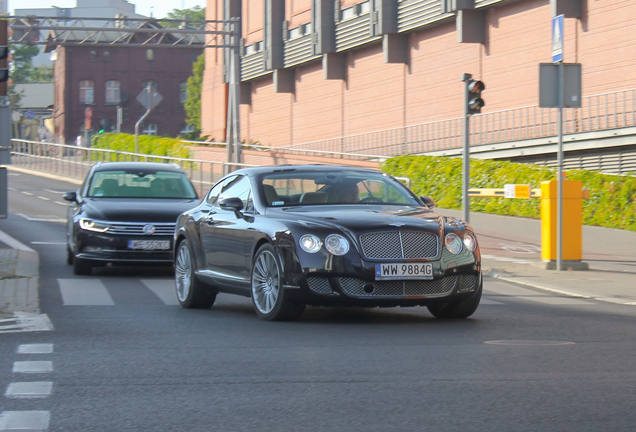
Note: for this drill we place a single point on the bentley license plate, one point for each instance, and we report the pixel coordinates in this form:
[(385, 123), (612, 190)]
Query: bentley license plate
[(404, 271), (149, 244)]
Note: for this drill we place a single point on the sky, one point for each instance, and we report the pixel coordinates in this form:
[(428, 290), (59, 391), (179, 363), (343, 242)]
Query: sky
[(158, 9)]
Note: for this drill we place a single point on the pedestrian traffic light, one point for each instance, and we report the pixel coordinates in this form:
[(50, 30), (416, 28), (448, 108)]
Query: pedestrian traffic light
[(474, 100), (103, 125)]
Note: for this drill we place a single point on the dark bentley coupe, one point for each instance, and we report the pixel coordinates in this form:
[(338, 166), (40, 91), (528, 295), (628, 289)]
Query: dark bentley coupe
[(125, 213), (293, 236)]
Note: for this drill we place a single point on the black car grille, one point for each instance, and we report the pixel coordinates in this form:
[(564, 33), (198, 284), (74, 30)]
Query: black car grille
[(417, 288), (319, 284), (399, 245), (138, 228), (467, 282)]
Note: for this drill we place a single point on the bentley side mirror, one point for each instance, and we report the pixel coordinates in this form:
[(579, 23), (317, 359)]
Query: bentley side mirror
[(428, 202), (233, 203)]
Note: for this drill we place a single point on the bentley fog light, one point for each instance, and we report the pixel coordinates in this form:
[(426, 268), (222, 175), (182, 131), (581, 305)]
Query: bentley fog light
[(337, 244), (310, 243), (453, 243), (470, 242), (90, 225)]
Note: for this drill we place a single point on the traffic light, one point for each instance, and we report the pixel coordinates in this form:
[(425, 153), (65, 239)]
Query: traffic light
[(474, 100), (103, 125), (4, 70)]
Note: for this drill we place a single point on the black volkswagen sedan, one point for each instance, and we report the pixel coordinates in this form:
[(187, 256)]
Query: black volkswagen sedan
[(124, 213), (293, 236)]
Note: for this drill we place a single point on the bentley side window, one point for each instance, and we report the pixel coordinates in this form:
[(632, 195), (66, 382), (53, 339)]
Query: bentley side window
[(238, 187)]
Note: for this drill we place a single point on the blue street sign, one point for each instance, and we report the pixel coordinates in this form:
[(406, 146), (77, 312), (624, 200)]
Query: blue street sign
[(557, 38), (29, 115)]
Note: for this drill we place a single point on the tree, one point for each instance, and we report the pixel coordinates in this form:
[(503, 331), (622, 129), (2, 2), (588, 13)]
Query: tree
[(193, 99), (22, 69), (195, 13)]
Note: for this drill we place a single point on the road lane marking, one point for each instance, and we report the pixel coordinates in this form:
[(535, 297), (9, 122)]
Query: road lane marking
[(29, 390), (84, 292), (32, 366), (35, 349), (61, 203), (552, 300), (42, 218), (24, 420), (27, 193), (48, 243), (53, 191), (164, 289)]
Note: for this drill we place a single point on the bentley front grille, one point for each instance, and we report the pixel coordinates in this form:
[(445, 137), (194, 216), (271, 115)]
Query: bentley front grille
[(319, 284), (417, 288), (399, 245), (467, 282)]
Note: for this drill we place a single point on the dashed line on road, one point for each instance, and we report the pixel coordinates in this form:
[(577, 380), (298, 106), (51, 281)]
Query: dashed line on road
[(44, 198), (27, 193)]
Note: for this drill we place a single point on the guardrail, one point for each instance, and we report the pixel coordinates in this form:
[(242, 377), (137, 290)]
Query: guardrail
[(75, 162)]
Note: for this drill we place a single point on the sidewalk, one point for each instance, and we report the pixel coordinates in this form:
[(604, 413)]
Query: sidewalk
[(19, 278), (510, 252)]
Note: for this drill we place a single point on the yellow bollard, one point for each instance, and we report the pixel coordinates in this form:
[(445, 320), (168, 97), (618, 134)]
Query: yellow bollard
[(572, 245)]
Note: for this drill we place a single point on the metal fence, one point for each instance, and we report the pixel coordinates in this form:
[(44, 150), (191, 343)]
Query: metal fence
[(600, 112), (74, 162)]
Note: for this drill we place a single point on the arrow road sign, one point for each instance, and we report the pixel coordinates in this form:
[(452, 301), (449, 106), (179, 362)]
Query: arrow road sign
[(149, 98)]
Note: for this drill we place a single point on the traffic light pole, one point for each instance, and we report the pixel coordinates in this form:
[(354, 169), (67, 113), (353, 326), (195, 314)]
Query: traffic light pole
[(466, 149)]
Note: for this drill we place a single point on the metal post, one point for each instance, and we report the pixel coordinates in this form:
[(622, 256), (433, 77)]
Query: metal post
[(233, 134), (466, 150), (559, 263)]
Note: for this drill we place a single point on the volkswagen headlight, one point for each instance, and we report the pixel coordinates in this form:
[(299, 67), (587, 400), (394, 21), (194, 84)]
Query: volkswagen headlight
[(91, 225)]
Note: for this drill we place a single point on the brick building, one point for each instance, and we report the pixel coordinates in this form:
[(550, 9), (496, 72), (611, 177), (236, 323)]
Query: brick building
[(103, 78), (319, 69)]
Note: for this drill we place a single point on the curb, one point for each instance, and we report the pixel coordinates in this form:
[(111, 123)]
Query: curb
[(19, 286)]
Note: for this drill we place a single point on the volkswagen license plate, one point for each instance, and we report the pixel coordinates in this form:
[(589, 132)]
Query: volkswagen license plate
[(149, 244), (404, 271)]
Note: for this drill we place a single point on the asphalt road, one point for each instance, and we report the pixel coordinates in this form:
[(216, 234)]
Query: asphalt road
[(127, 358)]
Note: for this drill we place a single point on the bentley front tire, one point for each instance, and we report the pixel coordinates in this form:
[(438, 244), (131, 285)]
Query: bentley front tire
[(191, 293), (460, 309), (269, 299)]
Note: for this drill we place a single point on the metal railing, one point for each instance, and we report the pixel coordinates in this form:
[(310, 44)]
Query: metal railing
[(74, 162)]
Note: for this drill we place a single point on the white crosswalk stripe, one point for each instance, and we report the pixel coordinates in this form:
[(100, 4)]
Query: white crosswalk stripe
[(84, 292), (164, 289), (93, 292)]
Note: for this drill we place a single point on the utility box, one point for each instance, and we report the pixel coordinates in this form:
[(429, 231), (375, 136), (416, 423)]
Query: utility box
[(573, 194)]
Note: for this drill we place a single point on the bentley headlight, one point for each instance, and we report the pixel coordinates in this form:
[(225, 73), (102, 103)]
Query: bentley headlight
[(453, 243), (310, 243), (470, 242), (337, 244), (91, 225)]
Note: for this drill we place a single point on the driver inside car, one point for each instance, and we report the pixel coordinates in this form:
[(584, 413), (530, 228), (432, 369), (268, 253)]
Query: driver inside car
[(349, 193)]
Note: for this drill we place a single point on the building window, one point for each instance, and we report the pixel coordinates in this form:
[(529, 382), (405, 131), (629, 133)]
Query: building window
[(150, 129), (112, 92), (183, 92), (186, 129), (87, 92), (152, 84)]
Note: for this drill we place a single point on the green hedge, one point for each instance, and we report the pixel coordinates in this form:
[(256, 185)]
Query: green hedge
[(148, 144), (612, 202)]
